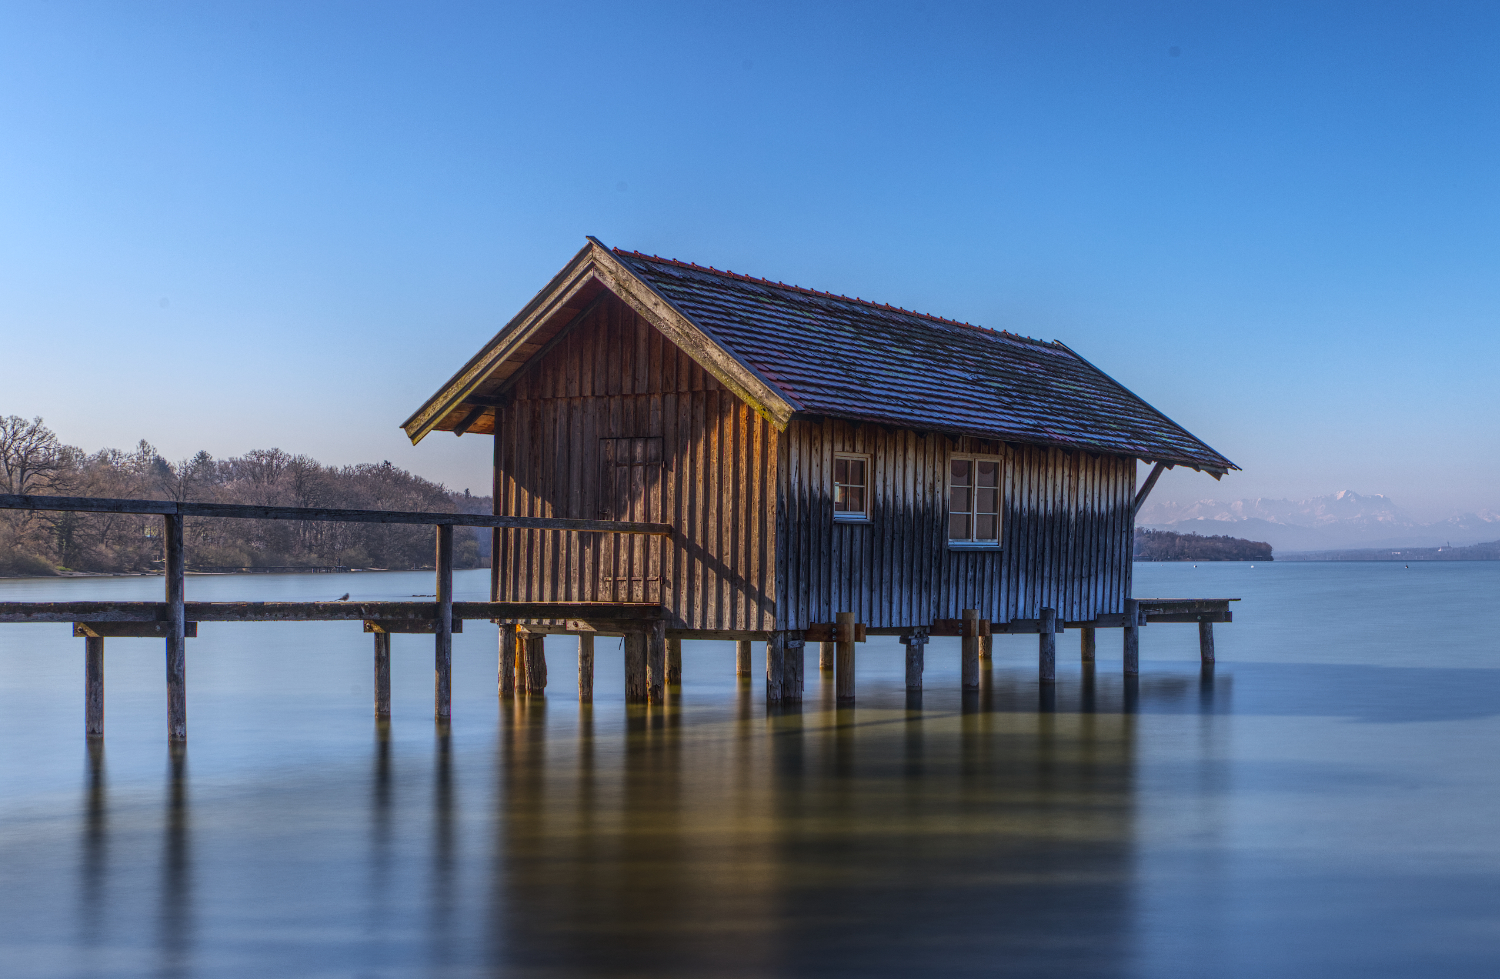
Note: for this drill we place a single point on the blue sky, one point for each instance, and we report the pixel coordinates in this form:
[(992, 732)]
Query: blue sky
[(231, 226)]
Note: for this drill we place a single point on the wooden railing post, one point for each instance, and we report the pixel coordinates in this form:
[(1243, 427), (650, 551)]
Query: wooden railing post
[(916, 658), (656, 663), (843, 636), (742, 656), (585, 669), (382, 674), (775, 666), (635, 667), (93, 686), (1132, 638), (176, 599), (674, 662), (969, 661), (536, 663), (509, 635), (1046, 647), (443, 651)]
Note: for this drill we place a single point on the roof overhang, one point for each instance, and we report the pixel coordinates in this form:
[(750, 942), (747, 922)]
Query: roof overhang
[(469, 400)]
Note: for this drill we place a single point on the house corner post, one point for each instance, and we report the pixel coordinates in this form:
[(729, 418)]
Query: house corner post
[(1046, 647), (970, 653), (1132, 637), (843, 635), (793, 666)]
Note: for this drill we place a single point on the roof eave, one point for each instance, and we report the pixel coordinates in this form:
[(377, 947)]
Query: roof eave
[(1214, 469), (462, 384)]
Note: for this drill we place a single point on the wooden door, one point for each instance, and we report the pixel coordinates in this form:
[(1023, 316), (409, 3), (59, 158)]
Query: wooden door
[(630, 482)]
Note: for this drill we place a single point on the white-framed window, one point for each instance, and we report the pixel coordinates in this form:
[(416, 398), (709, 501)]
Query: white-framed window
[(974, 501), (851, 486)]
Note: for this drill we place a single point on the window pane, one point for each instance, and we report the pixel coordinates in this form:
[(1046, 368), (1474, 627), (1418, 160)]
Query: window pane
[(986, 527), (958, 526), (987, 474), (960, 472), (857, 472), (840, 498), (841, 470), (856, 497), (985, 499), (958, 499)]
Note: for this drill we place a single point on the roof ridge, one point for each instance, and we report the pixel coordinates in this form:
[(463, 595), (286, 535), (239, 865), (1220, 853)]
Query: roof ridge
[(829, 295)]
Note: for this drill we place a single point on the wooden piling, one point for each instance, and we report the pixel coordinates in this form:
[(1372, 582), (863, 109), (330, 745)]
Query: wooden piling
[(635, 667), (656, 663), (916, 659), (969, 657), (176, 599), (1046, 651), (585, 669), (382, 674), (794, 662), (93, 686), (509, 636), (674, 662), (775, 667), (1206, 642), (844, 657), (536, 664), (442, 681), (742, 655), (1086, 644), (986, 648), (1132, 638), (825, 657)]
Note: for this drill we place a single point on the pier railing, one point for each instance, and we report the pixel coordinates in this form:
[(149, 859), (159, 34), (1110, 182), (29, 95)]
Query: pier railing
[(175, 619)]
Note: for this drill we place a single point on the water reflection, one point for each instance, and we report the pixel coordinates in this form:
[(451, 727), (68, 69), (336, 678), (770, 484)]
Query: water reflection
[(810, 841), (175, 910), (702, 837), (94, 865)]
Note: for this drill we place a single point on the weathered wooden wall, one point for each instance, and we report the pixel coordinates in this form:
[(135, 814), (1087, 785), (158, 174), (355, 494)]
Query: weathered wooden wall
[(712, 475), (1066, 532)]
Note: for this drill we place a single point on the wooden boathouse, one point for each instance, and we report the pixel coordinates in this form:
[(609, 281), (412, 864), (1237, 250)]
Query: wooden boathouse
[(684, 453), (830, 468)]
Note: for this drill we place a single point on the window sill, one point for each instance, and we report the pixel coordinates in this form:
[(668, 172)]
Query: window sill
[(839, 519), (969, 545)]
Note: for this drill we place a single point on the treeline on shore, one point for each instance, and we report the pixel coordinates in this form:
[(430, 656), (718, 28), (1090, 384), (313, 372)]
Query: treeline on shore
[(1165, 545), (34, 461)]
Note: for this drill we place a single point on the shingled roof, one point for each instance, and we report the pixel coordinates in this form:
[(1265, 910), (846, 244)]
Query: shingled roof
[(848, 358), (819, 354)]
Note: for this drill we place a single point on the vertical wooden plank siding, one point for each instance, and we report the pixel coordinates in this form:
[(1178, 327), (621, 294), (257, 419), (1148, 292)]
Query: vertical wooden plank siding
[(612, 384), (1065, 527)]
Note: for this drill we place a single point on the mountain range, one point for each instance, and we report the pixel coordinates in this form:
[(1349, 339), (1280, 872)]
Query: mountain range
[(1339, 521)]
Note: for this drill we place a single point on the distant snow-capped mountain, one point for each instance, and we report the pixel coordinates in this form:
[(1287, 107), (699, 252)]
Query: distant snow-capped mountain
[(1343, 520)]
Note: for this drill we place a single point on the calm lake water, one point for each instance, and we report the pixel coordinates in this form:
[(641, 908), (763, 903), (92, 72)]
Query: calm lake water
[(1325, 803)]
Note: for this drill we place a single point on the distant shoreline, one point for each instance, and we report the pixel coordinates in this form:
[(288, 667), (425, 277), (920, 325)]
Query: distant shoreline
[(1474, 552)]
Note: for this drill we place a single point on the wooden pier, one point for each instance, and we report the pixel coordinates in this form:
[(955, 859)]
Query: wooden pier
[(653, 655)]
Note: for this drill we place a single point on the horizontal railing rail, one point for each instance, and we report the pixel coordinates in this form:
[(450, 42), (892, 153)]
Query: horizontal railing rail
[(19, 612), (243, 511)]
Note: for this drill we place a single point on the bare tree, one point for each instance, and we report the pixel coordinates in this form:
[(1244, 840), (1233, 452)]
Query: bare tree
[(29, 454)]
